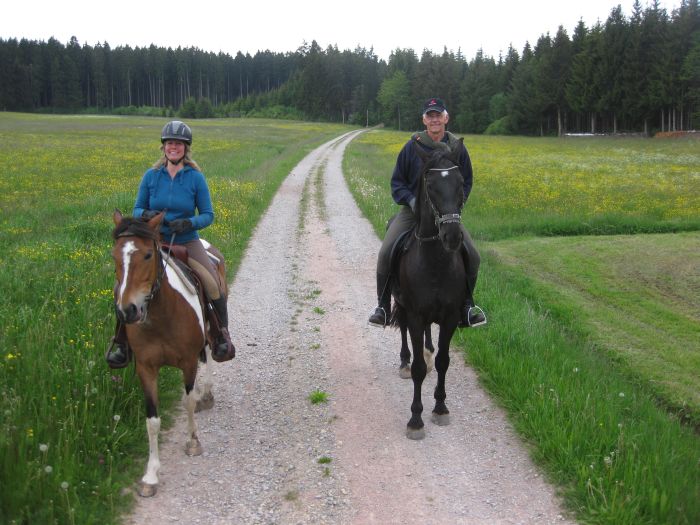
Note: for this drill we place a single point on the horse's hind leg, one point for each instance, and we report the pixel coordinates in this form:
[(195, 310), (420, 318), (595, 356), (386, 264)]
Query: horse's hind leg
[(428, 350), (405, 355), (204, 382), (193, 447), (441, 415)]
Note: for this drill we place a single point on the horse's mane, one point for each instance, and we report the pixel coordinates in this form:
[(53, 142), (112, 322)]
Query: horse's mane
[(436, 156), (135, 227)]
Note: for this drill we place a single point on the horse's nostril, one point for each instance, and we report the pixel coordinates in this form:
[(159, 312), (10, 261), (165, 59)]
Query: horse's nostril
[(128, 314)]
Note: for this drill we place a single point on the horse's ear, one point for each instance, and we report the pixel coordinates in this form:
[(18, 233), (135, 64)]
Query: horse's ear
[(424, 155), (454, 154), (117, 216), (154, 223)]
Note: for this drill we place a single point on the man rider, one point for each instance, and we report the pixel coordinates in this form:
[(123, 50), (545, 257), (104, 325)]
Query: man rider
[(405, 183)]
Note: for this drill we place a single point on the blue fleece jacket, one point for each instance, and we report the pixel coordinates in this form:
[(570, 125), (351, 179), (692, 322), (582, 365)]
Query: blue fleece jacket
[(180, 196), (406, 177)]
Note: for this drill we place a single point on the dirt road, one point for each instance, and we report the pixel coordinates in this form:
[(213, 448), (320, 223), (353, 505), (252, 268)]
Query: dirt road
[(298, 310)]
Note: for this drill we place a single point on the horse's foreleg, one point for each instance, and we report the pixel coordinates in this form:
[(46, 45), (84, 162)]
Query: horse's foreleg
[(149, 384), (429, 339), (441, 415), (193, 447), (415, 425)]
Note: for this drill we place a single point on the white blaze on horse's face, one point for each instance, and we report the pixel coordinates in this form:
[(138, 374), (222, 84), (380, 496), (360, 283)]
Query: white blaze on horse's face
[(133, 283), (127, 250)]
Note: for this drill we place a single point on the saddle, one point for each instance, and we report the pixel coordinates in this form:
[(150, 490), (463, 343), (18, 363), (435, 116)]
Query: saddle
[(177, 250)]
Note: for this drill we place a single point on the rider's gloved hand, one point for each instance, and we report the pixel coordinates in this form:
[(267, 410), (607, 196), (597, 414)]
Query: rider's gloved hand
[(412, 204), (147, 215), (180, 225)]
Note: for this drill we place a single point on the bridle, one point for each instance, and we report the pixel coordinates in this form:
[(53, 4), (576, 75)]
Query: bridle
[(440, 218), (161, 263)]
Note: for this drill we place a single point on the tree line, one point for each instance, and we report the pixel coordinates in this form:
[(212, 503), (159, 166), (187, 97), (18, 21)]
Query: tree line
[(636, 73)]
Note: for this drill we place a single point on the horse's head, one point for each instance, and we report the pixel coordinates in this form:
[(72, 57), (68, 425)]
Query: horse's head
[(138, 265), (442, 193)]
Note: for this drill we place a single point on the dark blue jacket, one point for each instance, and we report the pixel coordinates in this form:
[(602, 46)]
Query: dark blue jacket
[(406, 177), (181, 196)]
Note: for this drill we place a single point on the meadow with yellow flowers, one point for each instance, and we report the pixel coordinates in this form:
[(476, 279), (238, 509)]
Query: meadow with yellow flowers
[(69, 428), (590, 278)]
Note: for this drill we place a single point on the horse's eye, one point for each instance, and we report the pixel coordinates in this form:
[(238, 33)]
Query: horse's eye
[(148, 256)]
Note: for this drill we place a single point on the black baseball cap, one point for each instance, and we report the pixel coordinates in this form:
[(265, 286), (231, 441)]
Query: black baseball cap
[(434, 104)]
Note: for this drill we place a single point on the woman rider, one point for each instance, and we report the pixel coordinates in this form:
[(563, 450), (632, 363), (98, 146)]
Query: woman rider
[(176, 184)]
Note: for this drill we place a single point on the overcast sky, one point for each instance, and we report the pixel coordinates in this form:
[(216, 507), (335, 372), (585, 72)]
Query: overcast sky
[(277, 25)]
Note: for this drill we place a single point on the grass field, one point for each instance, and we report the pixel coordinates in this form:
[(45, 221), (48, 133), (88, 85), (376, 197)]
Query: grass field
[(70, 429), (592, 343), (593, 340)]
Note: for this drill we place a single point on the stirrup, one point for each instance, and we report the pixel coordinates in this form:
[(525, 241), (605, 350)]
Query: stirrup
[(383, 312), (127, 351), (476, 310)]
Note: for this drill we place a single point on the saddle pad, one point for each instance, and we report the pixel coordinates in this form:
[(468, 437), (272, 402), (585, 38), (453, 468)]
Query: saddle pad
[(185, 276)]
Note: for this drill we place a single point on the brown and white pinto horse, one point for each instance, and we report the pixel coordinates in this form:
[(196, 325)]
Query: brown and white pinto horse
[(165, 326)]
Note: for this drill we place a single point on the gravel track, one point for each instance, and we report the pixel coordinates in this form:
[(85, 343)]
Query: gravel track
[(298, 310)]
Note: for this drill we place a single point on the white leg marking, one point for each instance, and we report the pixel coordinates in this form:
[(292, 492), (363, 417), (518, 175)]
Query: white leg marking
[(151, 476), (190, 403), (205, 375), (128, 248)]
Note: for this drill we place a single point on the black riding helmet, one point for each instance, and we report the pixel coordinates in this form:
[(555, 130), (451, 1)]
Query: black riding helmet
[(176, 130)]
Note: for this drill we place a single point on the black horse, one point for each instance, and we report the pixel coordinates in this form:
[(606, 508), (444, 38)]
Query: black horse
[(430, 285)]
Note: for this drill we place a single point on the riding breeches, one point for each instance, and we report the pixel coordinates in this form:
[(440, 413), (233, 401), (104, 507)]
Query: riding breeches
[(404, 221), (199, 261)]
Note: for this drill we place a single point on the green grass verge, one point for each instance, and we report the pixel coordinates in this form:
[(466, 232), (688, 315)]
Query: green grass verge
[(72, 433), (592, 344)]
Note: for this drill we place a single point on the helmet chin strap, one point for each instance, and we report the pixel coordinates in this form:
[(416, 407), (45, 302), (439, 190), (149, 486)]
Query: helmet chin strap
[(175, 163)]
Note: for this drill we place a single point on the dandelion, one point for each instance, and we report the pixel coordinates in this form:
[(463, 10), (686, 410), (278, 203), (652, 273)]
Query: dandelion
[(43, 447), (116, 418), (621, 394), (48, 469), (64, 485), (30, 432)]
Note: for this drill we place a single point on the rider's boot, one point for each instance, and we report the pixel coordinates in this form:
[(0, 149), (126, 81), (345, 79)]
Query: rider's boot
[(471, 315), (223, 349), (118, 354), (380, 317)]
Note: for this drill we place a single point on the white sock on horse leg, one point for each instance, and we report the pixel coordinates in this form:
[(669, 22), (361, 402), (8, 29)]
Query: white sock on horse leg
[(153, 427)]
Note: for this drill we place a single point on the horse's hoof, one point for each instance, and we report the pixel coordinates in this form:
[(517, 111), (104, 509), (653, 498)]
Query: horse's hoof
[(206, 403), (146, 490), (405, 372), (440, 420), (193, 448), (415, 433)]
